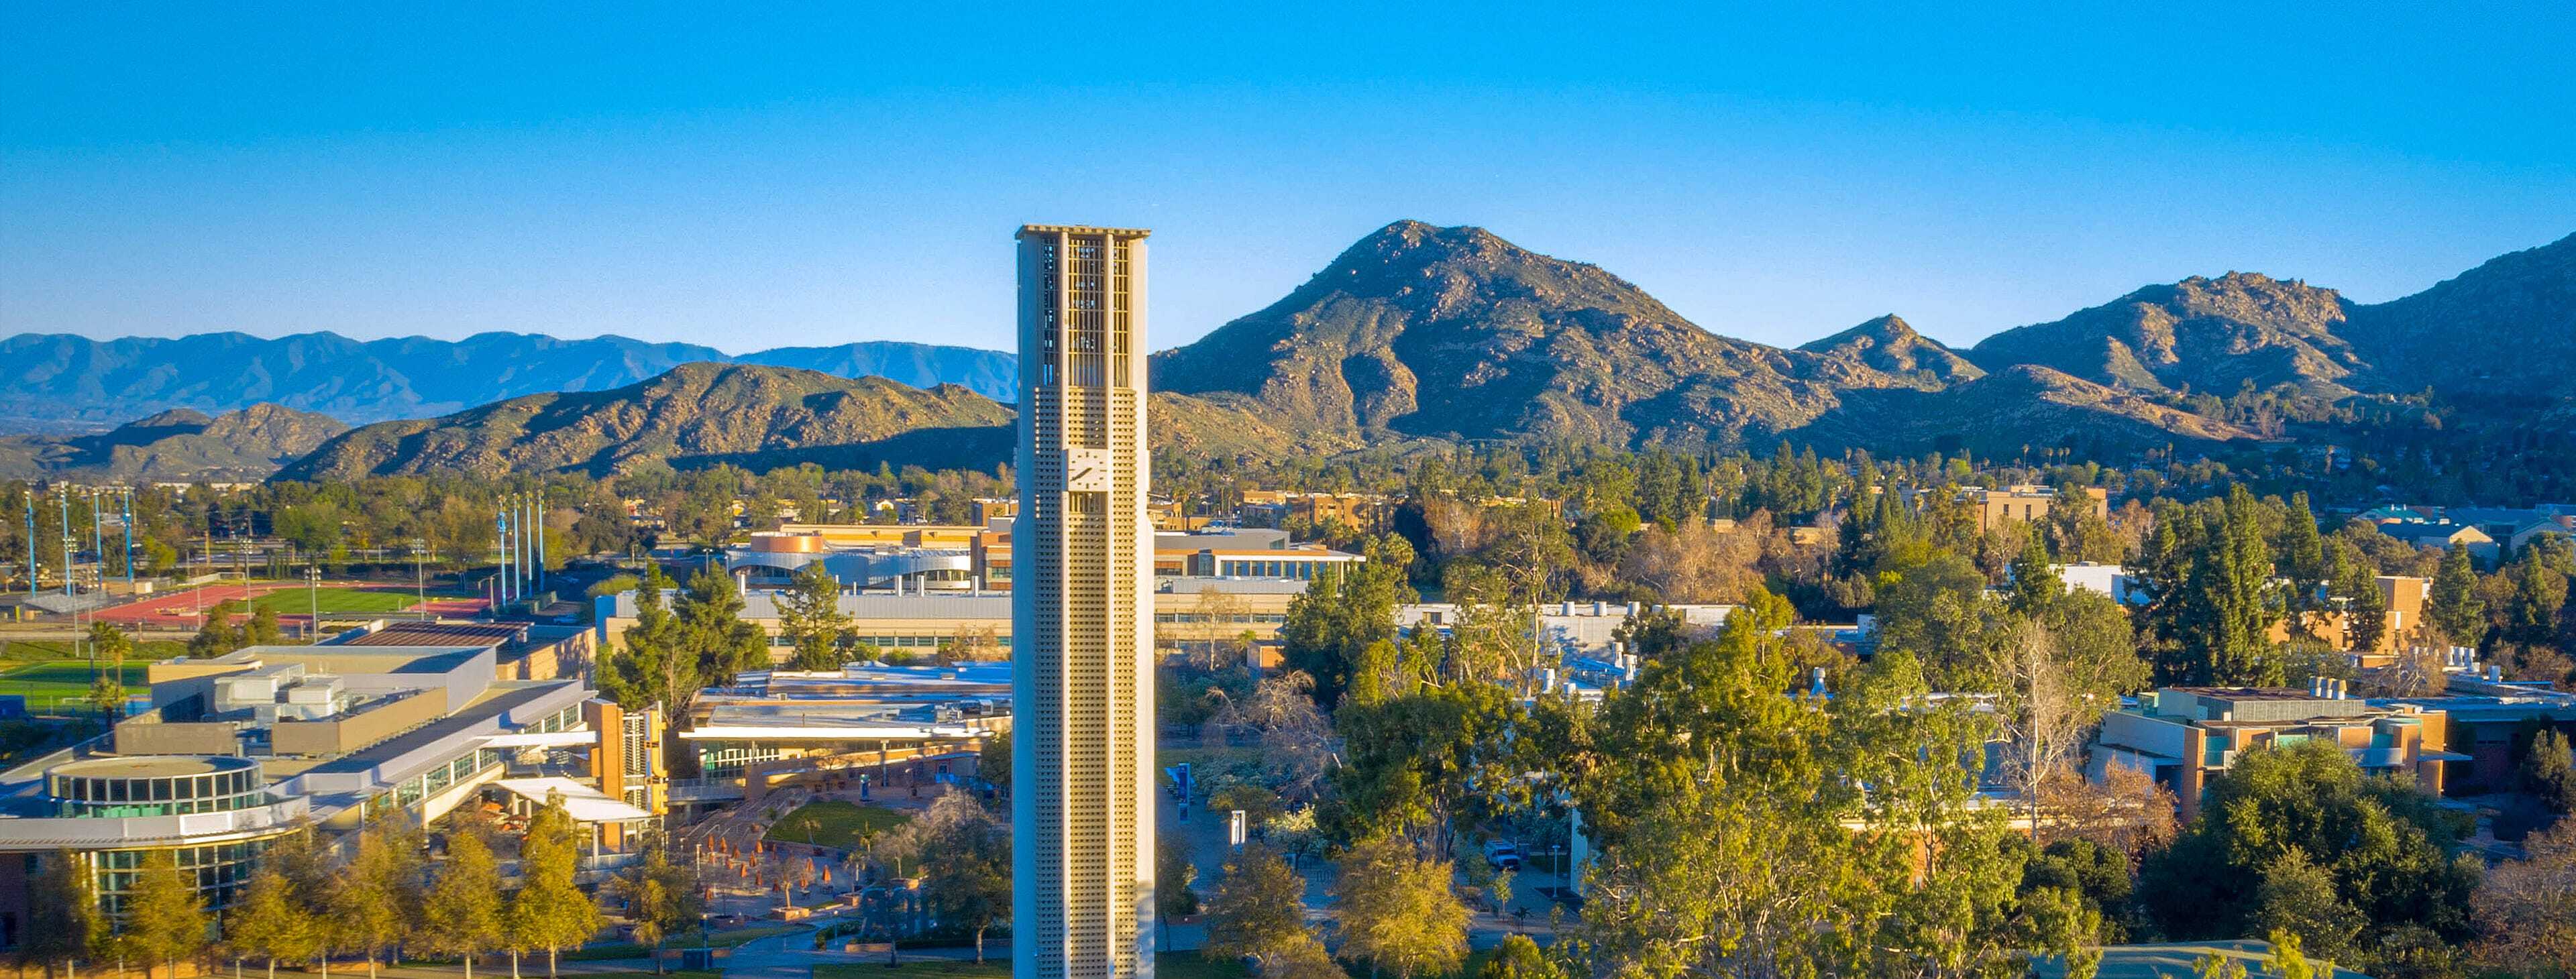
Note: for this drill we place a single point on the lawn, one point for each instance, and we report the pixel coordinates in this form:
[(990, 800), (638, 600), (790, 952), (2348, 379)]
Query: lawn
[(835, 823), (337, 601), (46, 684), (671, 949), (28, 650), (1168, 965)]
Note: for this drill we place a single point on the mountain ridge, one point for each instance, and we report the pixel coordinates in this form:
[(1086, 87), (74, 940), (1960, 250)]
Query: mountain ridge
[(63, 381)]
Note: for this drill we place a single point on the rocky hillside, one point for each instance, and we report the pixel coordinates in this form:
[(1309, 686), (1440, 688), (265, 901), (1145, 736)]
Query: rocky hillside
[(2204, 335), (62, 382), (179, 445), (2504, 330), (1889, 346), (2021, 407), (696, 414), (1427, 332)]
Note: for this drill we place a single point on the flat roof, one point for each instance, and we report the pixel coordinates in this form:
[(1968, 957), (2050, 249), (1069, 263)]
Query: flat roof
[(153, 766), (499, 700), (358, 659)]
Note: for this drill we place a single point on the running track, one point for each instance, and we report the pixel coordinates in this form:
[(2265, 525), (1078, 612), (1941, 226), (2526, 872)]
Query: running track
[(179, 609)]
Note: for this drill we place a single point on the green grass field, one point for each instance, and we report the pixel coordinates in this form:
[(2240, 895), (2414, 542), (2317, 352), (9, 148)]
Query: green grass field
[(1170, 965), (45, 684), (32, 650), (836, 823), (337, 601)]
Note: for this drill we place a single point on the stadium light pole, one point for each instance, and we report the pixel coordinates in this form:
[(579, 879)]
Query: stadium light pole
[(127, 496), (313, 590), (419, 580)]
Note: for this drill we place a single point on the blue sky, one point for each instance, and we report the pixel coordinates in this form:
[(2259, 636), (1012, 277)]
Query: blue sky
[(827, 173)]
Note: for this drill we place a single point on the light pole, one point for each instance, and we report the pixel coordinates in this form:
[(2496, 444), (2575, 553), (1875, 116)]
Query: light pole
[(313, 590), (419, 581)]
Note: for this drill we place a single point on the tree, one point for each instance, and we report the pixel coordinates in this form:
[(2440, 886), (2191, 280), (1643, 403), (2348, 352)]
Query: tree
[(109, 649), (64, 921), (809, 615), (462, 915), (1258, 911), (263, 630), (1173, 875), (2379, 842), (165, 919), (376, 896), (993, 761), (966, 860), (550, 912), (1719, 801), (1398, 911), (2453, 605), (1519, 958), (650, 664), (268, 922), (2526, 909), (2289, 962), (713, 630), (217, 635), (2549, 772), (662, 897), (1342, 612), (2297, 898)]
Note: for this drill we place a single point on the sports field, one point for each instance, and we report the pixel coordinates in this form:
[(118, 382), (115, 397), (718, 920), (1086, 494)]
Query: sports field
[(55, 682), (336, 601)]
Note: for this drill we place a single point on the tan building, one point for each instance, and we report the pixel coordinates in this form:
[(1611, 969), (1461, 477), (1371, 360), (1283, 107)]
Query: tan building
[(1279, 508), (2026, 502), (2404, 598), (2187, 736)]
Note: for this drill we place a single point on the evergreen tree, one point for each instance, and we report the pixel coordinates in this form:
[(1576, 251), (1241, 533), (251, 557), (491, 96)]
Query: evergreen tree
[(165, 919), (2365, 608), (217, 635), (809, 615), (2035, 584), (650, 665), (2454, 606), (712, 629), (263, 630), (267, 922), (462, 914), (2303, 564)]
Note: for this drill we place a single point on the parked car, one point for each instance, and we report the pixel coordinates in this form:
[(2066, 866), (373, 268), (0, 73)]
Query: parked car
[(1502, 855)]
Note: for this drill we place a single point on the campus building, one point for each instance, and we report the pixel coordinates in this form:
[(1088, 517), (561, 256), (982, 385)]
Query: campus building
[(1082, 804), (2186, 737), (236, 751)]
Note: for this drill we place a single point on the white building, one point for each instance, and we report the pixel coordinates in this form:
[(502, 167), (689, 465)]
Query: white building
[(1082, 679)]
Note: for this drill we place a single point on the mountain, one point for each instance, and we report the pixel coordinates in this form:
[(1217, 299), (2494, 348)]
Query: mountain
[(2506, 329), (2001, 414), (1455, 333), (2208, 335), (1427, 332), (180, 445), (58, 381), (1889, 345), (698, 414), (991, 373)]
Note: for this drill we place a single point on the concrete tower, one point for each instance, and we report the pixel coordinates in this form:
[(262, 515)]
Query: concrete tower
[(1082, 674)]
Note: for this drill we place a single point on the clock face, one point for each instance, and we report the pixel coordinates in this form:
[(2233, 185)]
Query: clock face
[(1086, 470)]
